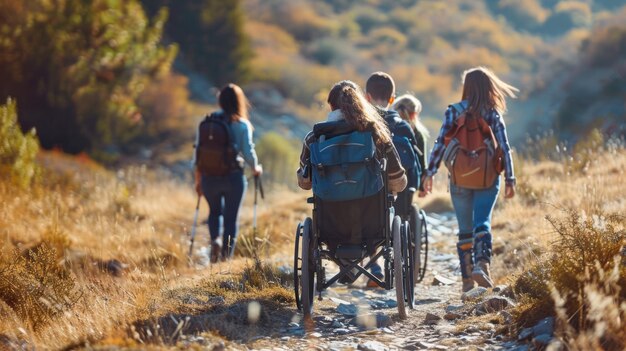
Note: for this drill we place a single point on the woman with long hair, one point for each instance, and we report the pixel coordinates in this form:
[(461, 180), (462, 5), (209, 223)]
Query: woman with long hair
[(484, 96), (347, 102), (409, 108), (224, 191)]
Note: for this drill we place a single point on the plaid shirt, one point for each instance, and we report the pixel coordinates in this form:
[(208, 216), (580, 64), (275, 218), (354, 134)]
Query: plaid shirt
[(494, 120)]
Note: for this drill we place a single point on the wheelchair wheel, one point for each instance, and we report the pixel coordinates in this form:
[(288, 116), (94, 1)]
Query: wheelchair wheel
[(297, 266), (398, 265), (407, 252), (419, 243), (308, 269)]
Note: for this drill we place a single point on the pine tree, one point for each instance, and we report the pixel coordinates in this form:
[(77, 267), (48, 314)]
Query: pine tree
[(211, 37), (78, 66)]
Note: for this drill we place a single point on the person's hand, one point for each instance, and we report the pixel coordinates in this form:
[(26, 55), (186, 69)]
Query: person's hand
[(421, 193), (198, 187), (509, 191), (257, 171), (428, 184)]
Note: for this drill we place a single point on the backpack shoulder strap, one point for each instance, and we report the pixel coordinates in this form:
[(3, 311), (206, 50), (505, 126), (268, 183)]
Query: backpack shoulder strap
[(219, 117), (460, 106)]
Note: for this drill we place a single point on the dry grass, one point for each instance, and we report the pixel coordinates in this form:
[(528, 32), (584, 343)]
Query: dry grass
[(566, 230), (95, 252)]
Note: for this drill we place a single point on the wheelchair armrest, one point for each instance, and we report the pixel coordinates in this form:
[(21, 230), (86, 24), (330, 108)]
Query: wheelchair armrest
[(310, 200)]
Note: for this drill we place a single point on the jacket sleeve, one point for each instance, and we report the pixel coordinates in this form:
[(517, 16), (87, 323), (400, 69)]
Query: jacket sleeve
[(396, 176), (247, 145), (499, 131), (437, 152), (304, 171)]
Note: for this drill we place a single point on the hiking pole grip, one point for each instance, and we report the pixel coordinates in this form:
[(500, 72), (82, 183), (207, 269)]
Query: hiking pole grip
[(193, 229), (260, 187)]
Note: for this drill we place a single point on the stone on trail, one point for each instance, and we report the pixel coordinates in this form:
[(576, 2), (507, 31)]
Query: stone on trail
[(541, 341), (386, 303), (525, 334), (425, 345), (452, 316), (341, 331), (220, 346), (431, 318), (358, 293), (453, 308), (339, 301), (349, 310), (372, 346), (473, 294), (443, 257), (337, 324), (441, 280), (493, 304), (545, 326)]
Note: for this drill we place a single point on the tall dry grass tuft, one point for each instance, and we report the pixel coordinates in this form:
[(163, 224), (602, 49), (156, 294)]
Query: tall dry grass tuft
[(36, 285)]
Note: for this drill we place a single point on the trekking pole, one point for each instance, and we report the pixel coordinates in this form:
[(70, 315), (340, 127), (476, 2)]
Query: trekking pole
[(193, 229), (258, 187)]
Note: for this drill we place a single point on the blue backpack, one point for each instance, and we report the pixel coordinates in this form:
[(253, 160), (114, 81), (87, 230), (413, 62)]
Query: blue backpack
[(345, 167)]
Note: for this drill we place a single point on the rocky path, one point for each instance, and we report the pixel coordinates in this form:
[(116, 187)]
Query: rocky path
[(358, 318)]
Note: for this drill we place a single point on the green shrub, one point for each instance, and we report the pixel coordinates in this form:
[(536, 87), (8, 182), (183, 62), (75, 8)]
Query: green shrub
[(17, 150), (279, 157)]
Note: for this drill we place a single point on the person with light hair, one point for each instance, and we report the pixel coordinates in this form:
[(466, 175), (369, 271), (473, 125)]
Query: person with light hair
[(409, 108)]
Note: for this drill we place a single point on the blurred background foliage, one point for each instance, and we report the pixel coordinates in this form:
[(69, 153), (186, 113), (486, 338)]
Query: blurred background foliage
[(117, 78)]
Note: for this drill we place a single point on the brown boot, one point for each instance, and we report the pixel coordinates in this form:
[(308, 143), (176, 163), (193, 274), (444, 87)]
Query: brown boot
[(468, 284), (216, 250), (464, 249), (481, 274)]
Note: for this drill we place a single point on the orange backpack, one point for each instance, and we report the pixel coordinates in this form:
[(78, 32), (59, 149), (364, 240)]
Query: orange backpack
[(472, 156)]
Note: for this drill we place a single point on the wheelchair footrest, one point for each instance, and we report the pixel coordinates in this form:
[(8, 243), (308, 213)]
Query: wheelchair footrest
[(351, 252)]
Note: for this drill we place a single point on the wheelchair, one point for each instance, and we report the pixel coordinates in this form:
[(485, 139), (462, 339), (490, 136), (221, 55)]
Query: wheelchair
[(418, 232), (346, 233)]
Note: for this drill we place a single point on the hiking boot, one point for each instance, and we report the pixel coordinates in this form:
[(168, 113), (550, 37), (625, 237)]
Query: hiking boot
[(468, 284), (481, 274), (373, 284), (216, 250)]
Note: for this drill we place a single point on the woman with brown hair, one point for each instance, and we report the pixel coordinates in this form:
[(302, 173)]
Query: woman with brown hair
[(223, 143), (347, 102), (483, 98)]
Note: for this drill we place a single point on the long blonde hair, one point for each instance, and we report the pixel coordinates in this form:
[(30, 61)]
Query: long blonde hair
[(484, 90), (347, 97), (408, 104)]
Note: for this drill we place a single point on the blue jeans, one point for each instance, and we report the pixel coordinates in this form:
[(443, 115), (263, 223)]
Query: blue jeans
[(224, 195), (473, 213), (474, 207)]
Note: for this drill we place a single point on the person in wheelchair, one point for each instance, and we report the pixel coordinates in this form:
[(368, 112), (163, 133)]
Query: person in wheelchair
[(350, 111)]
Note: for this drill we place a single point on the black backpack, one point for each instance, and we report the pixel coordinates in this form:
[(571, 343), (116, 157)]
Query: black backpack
[(216, 152)]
